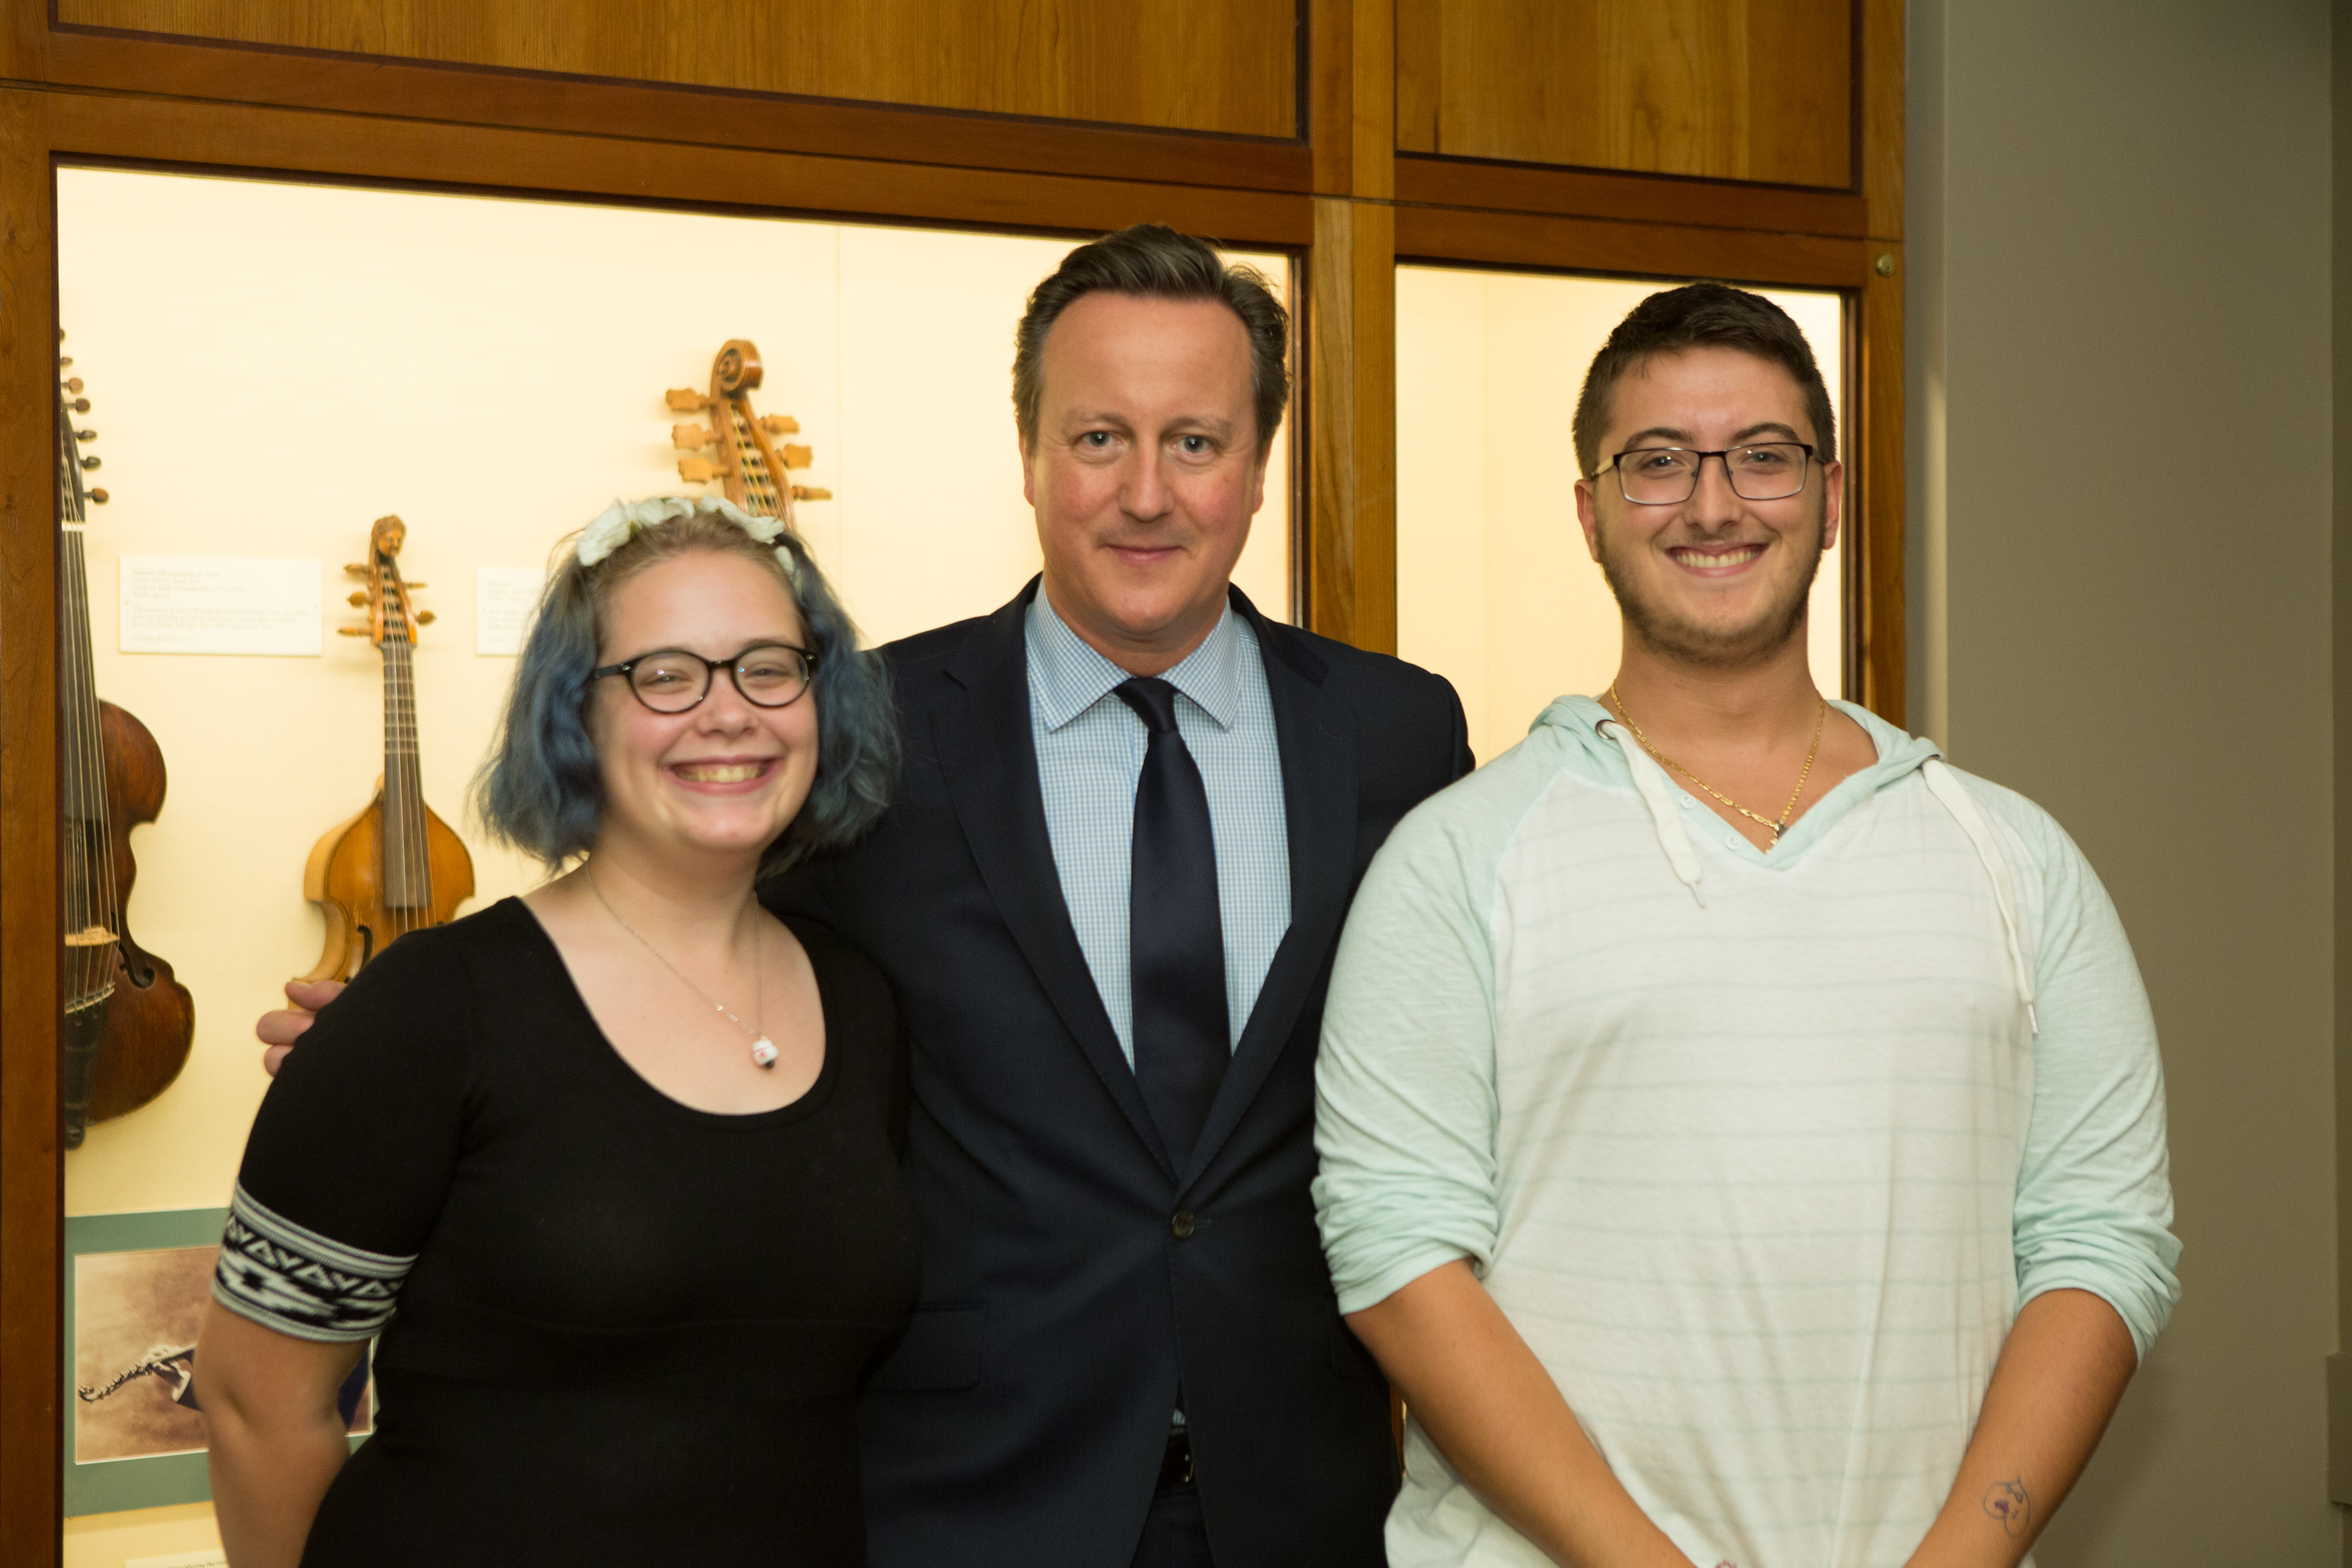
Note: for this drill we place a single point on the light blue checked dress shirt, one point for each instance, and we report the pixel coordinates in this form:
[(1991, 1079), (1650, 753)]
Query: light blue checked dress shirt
[(1089, 755)]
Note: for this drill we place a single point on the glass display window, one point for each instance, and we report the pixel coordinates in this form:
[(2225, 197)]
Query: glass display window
[(273, 366), (269, 368), (1495, 588)]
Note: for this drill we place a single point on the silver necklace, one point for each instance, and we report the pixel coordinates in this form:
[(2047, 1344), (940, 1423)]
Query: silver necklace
[(763, 1049)]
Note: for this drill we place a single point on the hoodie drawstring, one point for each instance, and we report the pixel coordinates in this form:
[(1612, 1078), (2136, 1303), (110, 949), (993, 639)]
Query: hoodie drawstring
[(1946, 787), (1658, 793)]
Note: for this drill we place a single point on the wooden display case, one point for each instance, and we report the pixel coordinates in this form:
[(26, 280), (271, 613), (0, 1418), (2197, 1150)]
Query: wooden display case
[(1349, 134)]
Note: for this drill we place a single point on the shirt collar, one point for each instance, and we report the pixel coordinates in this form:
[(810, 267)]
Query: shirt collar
[(1066, 676)]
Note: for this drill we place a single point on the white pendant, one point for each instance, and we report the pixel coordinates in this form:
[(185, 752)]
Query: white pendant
[(763, 1051)]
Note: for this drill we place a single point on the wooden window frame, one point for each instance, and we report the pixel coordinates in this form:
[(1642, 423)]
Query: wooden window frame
[(1339, 198)]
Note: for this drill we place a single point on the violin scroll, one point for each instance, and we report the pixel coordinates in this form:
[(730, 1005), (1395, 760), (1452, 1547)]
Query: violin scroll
[(735, 449), (738, 369)]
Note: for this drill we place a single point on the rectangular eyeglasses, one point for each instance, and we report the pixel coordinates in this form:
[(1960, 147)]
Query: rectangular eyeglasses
[(1668, 475)]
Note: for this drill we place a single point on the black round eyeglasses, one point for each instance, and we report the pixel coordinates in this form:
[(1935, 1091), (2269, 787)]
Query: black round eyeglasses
[(671, 679)]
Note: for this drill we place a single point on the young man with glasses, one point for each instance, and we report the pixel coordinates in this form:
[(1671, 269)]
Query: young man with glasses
[(1742, 1135)]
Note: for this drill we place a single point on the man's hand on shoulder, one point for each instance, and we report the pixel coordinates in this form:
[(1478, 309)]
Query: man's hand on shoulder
[(279, 1030)]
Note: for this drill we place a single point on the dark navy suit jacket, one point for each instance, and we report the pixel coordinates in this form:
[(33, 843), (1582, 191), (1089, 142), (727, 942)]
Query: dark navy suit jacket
[(1075, 1277)]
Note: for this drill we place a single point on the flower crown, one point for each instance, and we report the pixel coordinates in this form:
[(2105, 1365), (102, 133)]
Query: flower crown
[(622, 520)]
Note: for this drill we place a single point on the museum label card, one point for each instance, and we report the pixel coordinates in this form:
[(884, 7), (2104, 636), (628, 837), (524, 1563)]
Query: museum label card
[(216, 1558), (221, 603), (504, 597)]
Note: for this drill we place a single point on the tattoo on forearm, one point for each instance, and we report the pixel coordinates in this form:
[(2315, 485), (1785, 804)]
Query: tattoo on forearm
[(2008, 1505)]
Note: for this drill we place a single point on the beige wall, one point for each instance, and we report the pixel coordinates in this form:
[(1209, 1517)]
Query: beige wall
[(2119, 244)]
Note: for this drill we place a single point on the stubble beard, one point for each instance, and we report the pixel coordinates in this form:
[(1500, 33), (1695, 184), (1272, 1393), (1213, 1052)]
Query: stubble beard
[(1662, 633)]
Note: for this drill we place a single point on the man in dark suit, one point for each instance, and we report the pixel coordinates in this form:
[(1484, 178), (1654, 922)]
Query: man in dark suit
[(1127, 1332), (1131, 816)]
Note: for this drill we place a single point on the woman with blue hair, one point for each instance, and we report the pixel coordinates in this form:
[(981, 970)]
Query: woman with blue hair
[(612, 1167)]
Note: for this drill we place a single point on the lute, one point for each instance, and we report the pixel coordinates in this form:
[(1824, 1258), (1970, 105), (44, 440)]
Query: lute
[(396, 866)]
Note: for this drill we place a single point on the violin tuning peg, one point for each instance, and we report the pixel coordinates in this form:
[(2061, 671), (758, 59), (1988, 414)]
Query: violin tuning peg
[(811, 492), (697, 470), (780, 424), (691, 437), (356, 570), (73, 384), (416, 585), (358, 601), (85, 434), (426, 618), (684, 400), (92, 462), (80, 405), (100, 497), (796, 457), (353, 631)]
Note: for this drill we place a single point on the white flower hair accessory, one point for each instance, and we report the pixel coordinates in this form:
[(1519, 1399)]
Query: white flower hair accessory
[(621, 521)]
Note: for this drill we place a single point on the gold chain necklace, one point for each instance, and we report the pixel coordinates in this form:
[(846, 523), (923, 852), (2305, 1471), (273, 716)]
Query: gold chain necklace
[(763, 1049), (1765, 822)]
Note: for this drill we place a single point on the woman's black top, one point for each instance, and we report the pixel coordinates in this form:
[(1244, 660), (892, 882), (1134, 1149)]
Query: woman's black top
[(614, 1330)]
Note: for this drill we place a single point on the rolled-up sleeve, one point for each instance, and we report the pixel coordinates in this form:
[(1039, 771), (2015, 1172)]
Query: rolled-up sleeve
[(353, 1153), (2093, 1209), (1405, 1109)]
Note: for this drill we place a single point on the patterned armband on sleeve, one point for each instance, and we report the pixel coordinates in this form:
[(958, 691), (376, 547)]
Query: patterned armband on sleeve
[(295, 1280)]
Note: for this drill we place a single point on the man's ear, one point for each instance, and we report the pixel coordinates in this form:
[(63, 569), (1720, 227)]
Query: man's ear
[(1028, 456), (1588, 517)]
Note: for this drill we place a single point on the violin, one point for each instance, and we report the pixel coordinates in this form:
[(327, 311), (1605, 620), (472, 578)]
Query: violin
[(128, 1022), (753, 470), (396, 866)]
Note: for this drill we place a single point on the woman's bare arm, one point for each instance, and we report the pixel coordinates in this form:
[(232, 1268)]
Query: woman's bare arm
[(277, 1439)]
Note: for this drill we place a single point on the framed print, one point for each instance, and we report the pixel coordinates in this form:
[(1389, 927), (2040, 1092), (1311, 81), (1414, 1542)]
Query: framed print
[(137, 1288)]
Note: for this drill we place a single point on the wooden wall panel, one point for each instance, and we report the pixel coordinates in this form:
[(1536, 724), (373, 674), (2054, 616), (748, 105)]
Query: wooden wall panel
[(1226, 66), (1350, 411), (1728, 90), (1875, 639), (1347, 408), (1351, 98), (1528, 188), (328, 147), (1541, 242), (1882, 110), (32, 1176)]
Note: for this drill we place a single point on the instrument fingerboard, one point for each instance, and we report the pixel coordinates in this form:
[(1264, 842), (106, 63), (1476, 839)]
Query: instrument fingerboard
[(760, 492), (407, 877), (92, 911)]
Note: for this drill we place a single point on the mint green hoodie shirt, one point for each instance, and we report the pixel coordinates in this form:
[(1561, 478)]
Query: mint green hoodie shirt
[(1760, 1153)]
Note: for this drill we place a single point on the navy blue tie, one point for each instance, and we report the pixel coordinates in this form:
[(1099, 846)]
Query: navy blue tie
[(1176, 943)]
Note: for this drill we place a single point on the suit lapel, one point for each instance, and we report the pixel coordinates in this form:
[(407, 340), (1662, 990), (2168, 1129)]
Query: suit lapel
[(1317, 735), (990, 760)]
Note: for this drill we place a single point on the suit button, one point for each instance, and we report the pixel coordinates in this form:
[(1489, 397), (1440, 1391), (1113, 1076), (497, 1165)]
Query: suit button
[(1179, 1225)]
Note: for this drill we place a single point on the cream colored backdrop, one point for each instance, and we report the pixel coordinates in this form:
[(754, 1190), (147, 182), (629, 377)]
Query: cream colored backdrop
[(271, 367), (1495, 589)]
